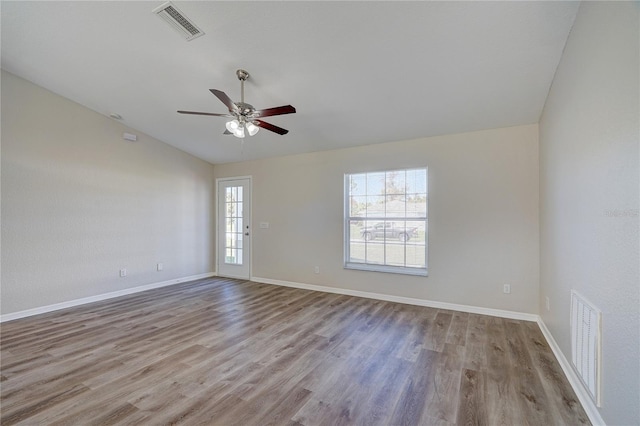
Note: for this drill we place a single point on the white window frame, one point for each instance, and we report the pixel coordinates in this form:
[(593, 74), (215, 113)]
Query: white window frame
[(378, 267)]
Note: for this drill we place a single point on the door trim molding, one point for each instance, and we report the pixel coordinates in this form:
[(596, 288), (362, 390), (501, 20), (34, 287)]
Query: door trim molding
[(217, 219)]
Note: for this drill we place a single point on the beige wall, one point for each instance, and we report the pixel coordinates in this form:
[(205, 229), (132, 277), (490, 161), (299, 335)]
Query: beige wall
[(589, 194), (483, 217), (79, 203)]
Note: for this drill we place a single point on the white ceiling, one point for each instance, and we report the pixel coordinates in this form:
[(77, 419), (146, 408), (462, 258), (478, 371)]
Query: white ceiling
[(358, 72)]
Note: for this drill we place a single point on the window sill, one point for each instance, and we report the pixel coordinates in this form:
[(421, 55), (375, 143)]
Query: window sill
[(422, 272)]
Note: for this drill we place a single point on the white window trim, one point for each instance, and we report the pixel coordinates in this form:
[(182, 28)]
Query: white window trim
[(371, 266)]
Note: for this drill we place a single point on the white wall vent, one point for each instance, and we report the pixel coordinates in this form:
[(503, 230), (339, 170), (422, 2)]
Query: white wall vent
[(178, 21), (129, 137), (586, 344)]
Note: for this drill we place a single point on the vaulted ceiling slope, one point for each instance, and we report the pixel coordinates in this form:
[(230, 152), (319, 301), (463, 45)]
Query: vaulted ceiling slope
[(358, 72)]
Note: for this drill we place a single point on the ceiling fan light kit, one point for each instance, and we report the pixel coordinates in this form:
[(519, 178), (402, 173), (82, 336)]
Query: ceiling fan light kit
[(237, 129), (244, 117), (252, 128)]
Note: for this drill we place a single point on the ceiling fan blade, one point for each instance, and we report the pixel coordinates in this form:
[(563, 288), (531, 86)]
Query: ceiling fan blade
[(224, 98), (226, 132), (204, 113), (268, 126), (285, 109)]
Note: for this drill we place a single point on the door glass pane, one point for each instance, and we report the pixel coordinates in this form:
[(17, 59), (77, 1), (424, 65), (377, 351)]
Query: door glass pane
[(233, 219)]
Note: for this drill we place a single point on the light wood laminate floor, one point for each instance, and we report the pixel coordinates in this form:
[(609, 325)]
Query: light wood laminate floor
[(228, 352)]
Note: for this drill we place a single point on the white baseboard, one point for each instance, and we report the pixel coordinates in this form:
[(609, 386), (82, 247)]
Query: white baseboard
[(99, 297), (586, 401), (406, 300)]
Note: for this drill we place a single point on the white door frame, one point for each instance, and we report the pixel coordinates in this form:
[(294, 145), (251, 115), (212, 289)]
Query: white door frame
[(219, 237)]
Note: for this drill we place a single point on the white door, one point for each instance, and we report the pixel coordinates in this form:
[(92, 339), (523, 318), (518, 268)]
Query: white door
[(234, 233)]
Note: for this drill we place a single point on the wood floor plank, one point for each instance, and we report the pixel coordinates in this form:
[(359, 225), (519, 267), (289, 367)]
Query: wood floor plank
[(553, 380), (228, 352), (471, 404), (436, 336), (27, 410), (282, 410), (412, 402), (501, 402), (384, 390), (533, 401), (457, 333), (442, 402)]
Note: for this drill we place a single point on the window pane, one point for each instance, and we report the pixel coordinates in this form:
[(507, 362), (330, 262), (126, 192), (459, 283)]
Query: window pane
[(375, 183), (417, 181), (374, 252), (357, 245), (358, 206), (369, 230), (395, 206), (416, 205), (375, 206), (395, 182), (395, 254), (417, 231), (358, 184)]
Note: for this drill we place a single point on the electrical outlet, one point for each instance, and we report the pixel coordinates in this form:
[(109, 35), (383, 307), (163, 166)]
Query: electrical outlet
[(316, 269), (160, 266), (547, 303), (506, 289), (123, 272)]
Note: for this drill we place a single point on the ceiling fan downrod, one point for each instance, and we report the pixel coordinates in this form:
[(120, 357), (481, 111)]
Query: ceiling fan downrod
[(242, 76)]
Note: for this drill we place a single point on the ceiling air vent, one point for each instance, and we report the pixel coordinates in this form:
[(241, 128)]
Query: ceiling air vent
[(171, 14)]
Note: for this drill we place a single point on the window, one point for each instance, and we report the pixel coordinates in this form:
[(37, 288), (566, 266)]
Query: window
[(386, 221)]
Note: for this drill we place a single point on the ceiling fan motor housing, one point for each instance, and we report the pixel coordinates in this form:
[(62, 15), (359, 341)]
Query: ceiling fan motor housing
[(244, 109)]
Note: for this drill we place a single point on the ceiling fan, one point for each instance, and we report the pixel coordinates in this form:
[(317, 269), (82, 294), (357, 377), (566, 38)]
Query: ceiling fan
[(245, 118)]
